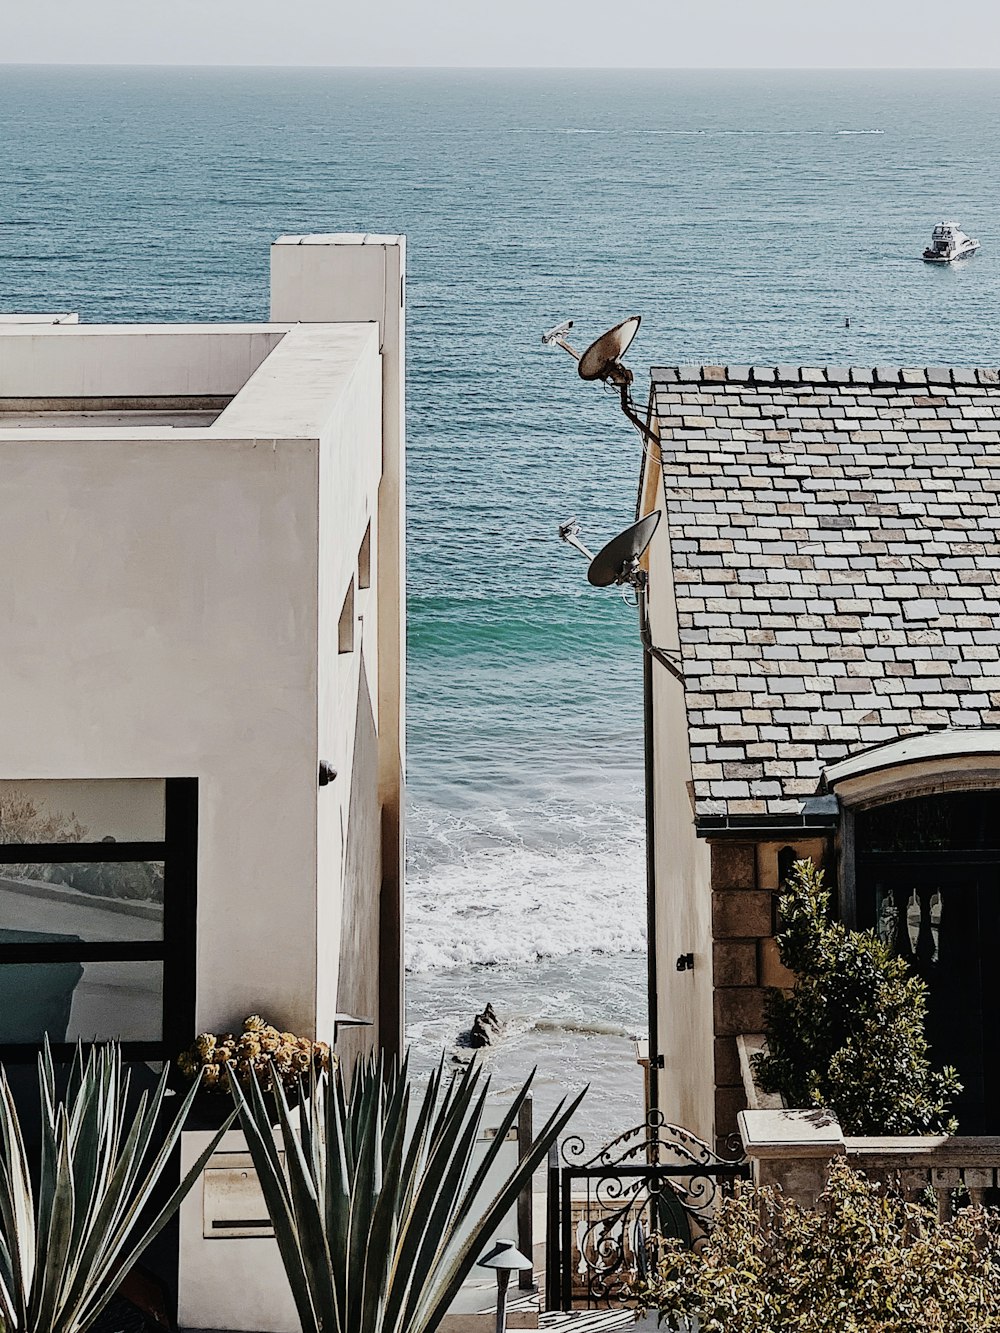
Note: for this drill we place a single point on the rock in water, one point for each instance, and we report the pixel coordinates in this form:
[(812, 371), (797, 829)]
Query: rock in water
[(486, 1028)]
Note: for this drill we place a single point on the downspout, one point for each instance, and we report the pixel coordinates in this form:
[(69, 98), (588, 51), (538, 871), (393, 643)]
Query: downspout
[(653, 1079), (650, 651), (648, 432)]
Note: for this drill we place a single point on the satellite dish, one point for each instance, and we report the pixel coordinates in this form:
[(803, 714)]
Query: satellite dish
[(616, 562), (602, 357)]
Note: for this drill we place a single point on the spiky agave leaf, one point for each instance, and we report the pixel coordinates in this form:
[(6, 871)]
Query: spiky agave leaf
[(64, 1253), (379, 1222)]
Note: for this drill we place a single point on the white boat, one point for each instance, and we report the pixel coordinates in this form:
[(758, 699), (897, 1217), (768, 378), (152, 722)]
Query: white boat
[(949, 243)]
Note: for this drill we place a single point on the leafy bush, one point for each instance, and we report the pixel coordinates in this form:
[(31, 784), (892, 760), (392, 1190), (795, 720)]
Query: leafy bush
[(22, 821), (864, 1261), (851, 1035)]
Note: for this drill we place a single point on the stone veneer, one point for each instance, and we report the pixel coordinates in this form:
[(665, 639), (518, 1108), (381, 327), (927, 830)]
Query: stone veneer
[(745, 882)]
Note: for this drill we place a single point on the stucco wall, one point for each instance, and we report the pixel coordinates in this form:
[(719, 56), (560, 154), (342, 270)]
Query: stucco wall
[(349, 829), (162, 623), (363, 277), (683, 893), (123, 360), (165, 621)]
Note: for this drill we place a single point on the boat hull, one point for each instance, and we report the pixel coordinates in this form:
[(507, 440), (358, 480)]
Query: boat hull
[(966, 253)]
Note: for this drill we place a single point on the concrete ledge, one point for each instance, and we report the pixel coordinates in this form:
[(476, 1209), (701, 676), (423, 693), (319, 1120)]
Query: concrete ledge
[(787, 1133), (791, 1150), (749, 1045)]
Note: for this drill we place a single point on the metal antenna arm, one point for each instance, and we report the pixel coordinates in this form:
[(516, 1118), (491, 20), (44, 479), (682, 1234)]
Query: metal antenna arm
[(661, 655), (627, 407), (556, 337), (569, 532)]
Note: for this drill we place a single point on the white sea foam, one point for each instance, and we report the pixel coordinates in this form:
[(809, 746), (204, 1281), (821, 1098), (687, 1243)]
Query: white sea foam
[(509, 902)]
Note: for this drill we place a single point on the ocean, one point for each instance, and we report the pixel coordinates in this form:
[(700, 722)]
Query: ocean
[(746, 216)]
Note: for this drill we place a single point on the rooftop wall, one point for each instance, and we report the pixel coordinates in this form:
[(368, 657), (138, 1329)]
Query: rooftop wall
[(131, 361)]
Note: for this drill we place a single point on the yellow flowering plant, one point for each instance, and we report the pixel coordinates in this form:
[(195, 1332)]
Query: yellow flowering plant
[(275, 1057)]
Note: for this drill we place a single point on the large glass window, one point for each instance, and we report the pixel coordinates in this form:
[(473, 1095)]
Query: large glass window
[(97, 902)]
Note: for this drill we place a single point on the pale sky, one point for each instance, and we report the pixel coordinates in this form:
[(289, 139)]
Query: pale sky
[(656, 33)]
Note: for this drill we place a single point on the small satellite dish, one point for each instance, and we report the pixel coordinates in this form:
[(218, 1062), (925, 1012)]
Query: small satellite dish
[(602, 359), (616, 562)]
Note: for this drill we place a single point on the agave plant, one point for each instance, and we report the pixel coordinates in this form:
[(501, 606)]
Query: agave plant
[(65, 1249), (380, 1216)]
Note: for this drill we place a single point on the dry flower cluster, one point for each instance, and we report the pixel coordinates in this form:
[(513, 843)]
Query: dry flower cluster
[(259, 1047)]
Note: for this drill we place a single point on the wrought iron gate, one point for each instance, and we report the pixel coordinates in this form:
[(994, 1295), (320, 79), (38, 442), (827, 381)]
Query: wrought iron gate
[(656, 1179)]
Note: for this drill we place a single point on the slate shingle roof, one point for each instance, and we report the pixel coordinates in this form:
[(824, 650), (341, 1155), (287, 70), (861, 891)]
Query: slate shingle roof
[(835, 538)]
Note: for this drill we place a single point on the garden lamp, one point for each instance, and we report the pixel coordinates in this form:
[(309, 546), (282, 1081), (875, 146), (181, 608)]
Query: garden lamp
[(505, 1258)]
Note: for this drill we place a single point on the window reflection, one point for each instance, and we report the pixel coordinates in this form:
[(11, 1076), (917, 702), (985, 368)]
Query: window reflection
[(966, 821), (85, 1001), (92, 901), (909, 920), (83, 810), (928, 881)]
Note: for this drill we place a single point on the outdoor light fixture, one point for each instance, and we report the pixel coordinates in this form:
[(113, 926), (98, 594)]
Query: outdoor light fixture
[(505, 1258), (327, 773)]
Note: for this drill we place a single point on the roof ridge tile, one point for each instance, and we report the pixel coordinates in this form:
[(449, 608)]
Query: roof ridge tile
[(819, 375)]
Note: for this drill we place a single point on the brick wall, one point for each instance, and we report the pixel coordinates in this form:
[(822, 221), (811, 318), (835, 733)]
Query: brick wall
[(745, 882)]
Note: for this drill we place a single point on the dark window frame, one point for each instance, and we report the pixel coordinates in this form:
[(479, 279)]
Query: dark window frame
[(177, 951)]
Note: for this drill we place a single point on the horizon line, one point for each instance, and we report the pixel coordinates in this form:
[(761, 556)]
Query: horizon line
[(513, 69)]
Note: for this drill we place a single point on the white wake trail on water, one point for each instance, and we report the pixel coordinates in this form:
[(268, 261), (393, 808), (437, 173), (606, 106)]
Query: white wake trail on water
[(716, 132)]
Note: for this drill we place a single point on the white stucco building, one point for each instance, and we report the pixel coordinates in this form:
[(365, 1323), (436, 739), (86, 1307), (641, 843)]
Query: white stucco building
[(201, 537)]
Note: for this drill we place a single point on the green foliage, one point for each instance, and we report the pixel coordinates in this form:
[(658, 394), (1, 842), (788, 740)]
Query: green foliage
[(379, 1217), (864, 1261), (135, 881), (851, 1035), (65, 1248)]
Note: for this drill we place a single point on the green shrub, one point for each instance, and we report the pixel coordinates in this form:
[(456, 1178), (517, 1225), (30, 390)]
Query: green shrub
[(851, 1034), (864, 1261)]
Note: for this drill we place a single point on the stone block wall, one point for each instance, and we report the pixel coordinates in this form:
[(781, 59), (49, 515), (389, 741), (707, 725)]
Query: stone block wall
[(745, 884)]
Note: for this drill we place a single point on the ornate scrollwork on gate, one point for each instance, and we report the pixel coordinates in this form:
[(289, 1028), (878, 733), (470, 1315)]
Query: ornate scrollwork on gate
[(655, 1180)]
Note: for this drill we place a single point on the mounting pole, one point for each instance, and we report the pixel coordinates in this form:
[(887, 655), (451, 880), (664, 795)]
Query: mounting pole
[(640, 583), (628, 407)]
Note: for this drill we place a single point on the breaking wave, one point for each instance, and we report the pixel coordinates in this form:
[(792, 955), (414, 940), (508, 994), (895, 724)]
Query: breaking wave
[(511, 902)]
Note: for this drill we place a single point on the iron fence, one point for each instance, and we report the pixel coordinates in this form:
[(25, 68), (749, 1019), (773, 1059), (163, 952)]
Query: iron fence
[(605, 1208)]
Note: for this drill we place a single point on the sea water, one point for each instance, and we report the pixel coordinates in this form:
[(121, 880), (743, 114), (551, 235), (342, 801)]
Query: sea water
[(747, 216)]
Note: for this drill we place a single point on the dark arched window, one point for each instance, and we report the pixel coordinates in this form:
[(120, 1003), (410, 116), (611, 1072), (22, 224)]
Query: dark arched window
[(928, 882)]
